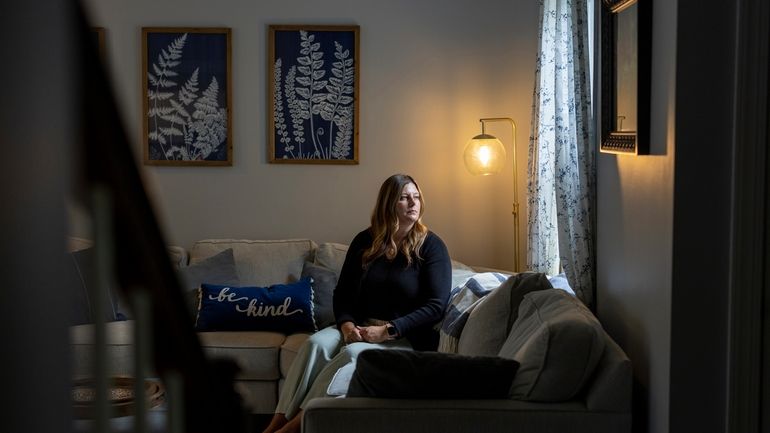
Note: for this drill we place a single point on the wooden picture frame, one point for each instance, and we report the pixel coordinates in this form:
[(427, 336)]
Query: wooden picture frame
[(313, 82), (625, 77), (187, 96)]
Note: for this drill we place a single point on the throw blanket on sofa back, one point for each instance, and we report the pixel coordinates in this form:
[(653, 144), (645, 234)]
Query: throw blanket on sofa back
[(495, 314)]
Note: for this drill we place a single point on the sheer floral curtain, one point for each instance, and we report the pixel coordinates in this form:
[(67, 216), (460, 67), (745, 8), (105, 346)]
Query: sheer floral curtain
[(561, 153)]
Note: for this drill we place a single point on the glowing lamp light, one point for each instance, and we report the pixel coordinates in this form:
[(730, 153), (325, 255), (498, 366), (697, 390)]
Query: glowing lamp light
[(484, 155)]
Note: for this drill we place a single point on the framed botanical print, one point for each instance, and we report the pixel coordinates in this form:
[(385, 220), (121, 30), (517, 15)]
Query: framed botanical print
[(186, 89), (313, 94)]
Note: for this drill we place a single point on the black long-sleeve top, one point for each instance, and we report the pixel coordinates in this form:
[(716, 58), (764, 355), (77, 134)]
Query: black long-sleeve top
[(412, 298)]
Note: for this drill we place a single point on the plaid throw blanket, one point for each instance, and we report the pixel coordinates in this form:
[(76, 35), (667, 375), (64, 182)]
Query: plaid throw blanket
[(463, 299)]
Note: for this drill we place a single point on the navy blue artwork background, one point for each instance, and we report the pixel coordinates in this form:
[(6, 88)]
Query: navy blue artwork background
[(287, 48), (205, 51)]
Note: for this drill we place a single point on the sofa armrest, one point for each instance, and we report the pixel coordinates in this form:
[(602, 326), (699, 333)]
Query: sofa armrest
[(610, 388), (178, 256), (375, 415)]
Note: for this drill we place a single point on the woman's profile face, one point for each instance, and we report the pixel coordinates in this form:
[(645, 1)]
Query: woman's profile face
[(408, 205)]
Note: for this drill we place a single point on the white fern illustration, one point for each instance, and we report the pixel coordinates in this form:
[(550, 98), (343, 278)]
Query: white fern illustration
[(341, 148), (337, 108), (310, 83), (187, 95), (189, 92), (280, 124), (209, 127), (160, 80), (199, 121), (298, 115), (311, 98)]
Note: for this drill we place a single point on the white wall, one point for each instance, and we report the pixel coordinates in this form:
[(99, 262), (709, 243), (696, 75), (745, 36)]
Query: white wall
[(429, 70), (635, 237)]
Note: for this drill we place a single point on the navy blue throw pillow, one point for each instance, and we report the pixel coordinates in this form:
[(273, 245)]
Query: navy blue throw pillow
[(285, 308)]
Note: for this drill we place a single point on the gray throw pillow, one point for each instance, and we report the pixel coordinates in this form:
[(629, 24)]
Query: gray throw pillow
[(558, 342), (490, 322), (324, 282), (331, 256), (218, 269)]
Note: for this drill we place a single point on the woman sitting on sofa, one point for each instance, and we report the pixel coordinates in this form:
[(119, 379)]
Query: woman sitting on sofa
[(392, 290)]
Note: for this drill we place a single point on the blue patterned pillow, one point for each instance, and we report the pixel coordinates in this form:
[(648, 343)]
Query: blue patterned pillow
[(285, 308)]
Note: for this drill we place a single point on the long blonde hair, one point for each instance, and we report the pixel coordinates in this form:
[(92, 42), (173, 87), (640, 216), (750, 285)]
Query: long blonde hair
[(385, 223)]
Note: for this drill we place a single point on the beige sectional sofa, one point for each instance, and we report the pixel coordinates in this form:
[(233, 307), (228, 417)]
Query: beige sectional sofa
[(263, 357), (602, 405)]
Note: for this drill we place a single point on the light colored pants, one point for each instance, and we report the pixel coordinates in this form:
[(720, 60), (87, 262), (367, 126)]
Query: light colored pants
[(318, 360)]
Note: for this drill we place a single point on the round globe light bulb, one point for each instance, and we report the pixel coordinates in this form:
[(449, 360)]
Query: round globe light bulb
[(484, 154)]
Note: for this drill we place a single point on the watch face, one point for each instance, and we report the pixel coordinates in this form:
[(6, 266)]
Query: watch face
[(392, 331)]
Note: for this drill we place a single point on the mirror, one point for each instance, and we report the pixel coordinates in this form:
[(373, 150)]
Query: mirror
[(625, 77)]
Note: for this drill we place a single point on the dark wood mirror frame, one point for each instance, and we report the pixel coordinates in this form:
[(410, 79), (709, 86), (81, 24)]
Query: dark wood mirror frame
[(626, 64)]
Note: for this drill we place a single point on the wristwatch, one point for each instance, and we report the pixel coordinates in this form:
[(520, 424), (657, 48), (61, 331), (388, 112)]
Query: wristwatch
[(392, 331)]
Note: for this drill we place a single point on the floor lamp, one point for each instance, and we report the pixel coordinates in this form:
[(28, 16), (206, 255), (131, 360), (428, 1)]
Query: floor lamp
[(484, 155)]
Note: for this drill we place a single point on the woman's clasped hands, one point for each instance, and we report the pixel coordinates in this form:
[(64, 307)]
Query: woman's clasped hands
[(370, 334)]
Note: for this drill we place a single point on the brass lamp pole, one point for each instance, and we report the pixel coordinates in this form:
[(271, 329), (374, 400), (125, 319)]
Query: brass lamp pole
[(484, 155)]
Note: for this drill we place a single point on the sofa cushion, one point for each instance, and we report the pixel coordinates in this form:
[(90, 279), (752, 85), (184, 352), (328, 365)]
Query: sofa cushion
[(217, 269), (491, 320), (331, 256), (119, 342), (557, 342), (255, 352), (289, 350), (411, 374), (283, 308), (259, 396), (324, 281), (260, 262)]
